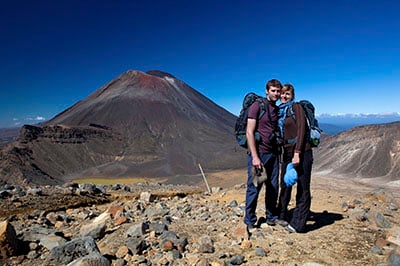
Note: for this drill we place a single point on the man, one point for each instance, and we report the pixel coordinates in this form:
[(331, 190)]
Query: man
[(263, 154)]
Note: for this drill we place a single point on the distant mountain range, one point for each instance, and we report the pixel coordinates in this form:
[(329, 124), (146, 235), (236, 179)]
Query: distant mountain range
[(336, 123), (8, 135), (358, 119)]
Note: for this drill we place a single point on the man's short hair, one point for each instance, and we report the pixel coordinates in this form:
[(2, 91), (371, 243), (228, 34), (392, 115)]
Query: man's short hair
[(273, 83)]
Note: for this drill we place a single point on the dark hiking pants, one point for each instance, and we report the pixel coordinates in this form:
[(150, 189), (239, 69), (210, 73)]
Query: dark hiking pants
[(271, 169), (303, 194)]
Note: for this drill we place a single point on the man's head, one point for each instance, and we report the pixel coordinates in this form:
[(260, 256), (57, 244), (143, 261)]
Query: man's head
[(273, 90)]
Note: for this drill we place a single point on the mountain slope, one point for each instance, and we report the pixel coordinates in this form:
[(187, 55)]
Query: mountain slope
[(138, 125), (370, 151), (7, 135)]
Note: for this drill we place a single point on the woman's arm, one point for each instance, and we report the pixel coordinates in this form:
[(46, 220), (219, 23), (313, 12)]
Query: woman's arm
[(301, 125)]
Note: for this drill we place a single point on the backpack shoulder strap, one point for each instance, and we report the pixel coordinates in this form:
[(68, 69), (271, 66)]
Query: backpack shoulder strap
[(261, 103), (290, 112), (276, 110), (266, 108)]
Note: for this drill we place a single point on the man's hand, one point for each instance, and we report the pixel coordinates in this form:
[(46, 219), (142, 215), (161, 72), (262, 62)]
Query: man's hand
[(257, 162)]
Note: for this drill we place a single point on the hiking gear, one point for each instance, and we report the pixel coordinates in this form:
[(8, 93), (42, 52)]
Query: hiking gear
[(241, 121), (272, 221), (251, 228), (257, 176), (303, 195), (290, 177), (275, 138), (271, 167), (290, 229), (314, 131), (283, 110), (280, 222)]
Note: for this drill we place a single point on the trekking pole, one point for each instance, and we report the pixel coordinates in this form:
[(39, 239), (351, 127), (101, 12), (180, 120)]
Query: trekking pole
[(205, 179)]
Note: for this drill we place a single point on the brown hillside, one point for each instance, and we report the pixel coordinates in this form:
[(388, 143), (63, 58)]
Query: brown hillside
[(371, 151), (138, 125)]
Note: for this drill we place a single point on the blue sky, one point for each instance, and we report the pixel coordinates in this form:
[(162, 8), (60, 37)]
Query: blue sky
[(344, 56)]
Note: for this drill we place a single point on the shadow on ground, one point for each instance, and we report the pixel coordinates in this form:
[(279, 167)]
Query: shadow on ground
[(321, 219)]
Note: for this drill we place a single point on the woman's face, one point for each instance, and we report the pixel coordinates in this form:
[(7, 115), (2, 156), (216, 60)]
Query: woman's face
[(286, 96)]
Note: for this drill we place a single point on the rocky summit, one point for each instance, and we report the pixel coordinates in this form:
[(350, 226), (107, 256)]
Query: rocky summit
[(159, 224)]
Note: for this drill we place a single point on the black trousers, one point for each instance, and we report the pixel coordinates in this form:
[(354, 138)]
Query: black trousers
[(303, 194)]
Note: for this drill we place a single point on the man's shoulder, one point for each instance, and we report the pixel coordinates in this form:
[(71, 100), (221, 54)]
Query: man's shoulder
[(259, 103)]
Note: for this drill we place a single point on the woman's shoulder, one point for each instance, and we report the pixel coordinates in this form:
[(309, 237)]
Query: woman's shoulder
[(298, 110), (297, 105)]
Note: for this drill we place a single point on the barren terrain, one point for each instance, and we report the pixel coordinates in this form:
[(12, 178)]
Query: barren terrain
[(334, 236)]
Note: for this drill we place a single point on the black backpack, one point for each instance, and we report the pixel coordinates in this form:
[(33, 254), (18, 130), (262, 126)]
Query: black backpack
[(314, 131), (241, 122)]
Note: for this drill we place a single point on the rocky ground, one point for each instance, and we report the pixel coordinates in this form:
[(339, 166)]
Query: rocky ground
[(155, 224)]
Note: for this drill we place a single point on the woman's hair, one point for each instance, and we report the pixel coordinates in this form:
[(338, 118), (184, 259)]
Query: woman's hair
[(288, 87)]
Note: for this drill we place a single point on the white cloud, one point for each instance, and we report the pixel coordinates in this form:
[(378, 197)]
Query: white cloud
[(40, 118), (37, 118)]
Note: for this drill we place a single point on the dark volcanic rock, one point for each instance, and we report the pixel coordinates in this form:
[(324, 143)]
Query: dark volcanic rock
[(8, 240), (49, 154), (202, 229)]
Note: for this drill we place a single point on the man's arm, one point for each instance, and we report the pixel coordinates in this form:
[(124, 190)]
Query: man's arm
[(251, 141)]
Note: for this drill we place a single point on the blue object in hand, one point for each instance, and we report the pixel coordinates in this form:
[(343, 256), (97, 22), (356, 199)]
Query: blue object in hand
[(290, 177)]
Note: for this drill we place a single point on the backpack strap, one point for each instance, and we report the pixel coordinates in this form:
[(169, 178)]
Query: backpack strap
[(291, 141), (292, 114), (269, 115), (262, 107)]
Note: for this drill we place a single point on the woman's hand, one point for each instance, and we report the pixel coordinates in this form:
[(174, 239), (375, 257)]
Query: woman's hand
[(296, 159)]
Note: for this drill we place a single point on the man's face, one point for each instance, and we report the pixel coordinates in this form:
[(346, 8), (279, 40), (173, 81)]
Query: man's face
[(273, 94)]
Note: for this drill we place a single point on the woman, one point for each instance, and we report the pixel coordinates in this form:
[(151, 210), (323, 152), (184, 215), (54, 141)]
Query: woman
[(296, 150)]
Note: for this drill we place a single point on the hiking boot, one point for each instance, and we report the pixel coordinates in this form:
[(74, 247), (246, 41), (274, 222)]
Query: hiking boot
[(282, 223), (271, 221), (290, 229), (251, 228)]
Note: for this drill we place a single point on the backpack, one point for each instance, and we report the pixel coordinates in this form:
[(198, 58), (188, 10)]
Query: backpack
[(241, 121), (314, 132)]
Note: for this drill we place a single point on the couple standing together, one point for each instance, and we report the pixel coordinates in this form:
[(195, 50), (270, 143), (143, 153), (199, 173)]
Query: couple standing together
[(265, 154)]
